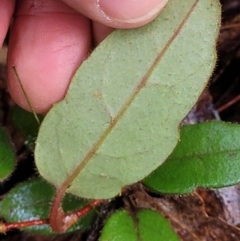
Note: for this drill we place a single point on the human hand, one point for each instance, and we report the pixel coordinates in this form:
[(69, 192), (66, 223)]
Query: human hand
[(49, 40)]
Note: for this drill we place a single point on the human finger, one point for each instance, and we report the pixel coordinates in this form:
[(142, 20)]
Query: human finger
[(48, 42), (6, 12), (119, 13)]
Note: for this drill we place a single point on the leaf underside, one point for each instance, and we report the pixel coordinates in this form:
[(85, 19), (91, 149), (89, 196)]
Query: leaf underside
[(208, 155), (119, 120), (147, 225)]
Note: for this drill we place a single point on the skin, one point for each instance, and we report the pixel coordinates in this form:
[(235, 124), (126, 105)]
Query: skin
[(50, 38)]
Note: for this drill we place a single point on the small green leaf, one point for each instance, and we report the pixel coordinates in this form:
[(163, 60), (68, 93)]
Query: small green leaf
[(32, 199), (7, 155), (119, 120), (120, 226), (147, 225), (208, 155), (27, 125)]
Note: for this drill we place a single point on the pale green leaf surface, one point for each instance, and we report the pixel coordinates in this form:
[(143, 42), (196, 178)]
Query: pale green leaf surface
[(147, 225), (32, 199), (119, 120), (7, 155), (208, 155)]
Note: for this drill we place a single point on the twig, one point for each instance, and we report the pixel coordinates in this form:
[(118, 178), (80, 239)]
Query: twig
[(67, 221), (25, 94), (230, 103)]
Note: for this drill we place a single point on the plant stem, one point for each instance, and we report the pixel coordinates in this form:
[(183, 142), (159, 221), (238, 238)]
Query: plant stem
[(59, 221), (25, 94), (67, 220), (4, 227)]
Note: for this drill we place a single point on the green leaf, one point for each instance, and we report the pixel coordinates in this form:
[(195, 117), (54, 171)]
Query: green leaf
[(120, 226), (208, 155), (7, 155), (119, 120), (148, 225), (27, 125), (32, 199)]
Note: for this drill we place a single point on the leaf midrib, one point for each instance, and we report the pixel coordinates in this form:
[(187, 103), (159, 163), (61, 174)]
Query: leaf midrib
[(114, 121)]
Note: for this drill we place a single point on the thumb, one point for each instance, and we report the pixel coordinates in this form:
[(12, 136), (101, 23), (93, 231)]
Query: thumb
[(119, 13)]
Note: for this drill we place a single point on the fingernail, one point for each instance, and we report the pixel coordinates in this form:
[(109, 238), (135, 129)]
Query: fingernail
[(131, 11)]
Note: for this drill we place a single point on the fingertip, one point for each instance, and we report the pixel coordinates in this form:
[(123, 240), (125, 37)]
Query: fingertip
[(119, 14), (46, 50), (132, 12), (6, 12)]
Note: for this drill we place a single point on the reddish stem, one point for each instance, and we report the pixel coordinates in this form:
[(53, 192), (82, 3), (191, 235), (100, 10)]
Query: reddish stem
[(67, 220), (4, 227), (86, 209), (57, 215), (230, 103), (72, 218)]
